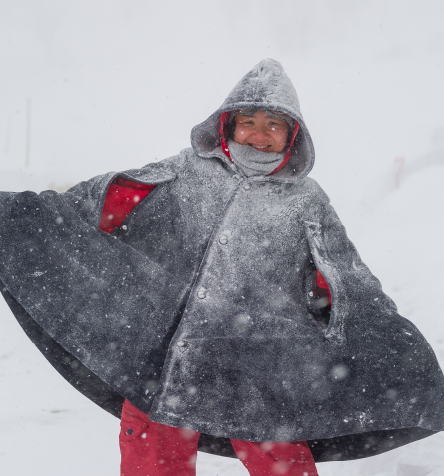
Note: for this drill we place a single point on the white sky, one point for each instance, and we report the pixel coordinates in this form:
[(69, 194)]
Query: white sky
[(117, 84)]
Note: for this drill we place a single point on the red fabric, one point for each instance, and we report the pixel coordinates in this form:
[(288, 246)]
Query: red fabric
[(223, 133), (149, 448), (121, 198), (322, 283), (273, 459), (153, 449)]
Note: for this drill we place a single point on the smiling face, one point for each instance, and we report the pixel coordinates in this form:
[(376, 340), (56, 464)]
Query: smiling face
[(262, 132)]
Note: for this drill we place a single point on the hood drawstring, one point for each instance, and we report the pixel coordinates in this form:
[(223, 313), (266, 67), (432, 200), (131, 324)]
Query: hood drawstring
[(223, 133)]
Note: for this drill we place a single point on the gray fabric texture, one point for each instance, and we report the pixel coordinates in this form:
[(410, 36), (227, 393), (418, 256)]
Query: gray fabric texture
[(253, 162), (201, 307)]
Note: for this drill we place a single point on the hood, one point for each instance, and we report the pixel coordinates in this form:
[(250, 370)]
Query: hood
[(266, 86)]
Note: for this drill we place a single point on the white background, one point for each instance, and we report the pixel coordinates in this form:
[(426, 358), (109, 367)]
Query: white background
[(89, 86)]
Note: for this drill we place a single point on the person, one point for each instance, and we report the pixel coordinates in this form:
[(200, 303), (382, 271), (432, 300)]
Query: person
[(213, 301)]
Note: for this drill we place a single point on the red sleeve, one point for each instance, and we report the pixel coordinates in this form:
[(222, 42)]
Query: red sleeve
[(322, 283), (122, 196)]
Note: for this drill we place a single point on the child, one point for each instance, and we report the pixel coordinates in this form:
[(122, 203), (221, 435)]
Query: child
[(221, 303)]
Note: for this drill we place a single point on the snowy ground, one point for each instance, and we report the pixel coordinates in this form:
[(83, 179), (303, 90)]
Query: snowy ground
[(89, 89)]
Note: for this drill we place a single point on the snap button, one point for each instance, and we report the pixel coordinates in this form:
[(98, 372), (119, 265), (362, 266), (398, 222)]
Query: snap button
[(124, 227), (223, 240), (181, 343), (201, 294), (130, 431), (247, 186)]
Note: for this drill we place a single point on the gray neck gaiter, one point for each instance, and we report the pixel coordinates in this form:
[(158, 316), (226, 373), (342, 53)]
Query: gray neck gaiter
[(253, 162)]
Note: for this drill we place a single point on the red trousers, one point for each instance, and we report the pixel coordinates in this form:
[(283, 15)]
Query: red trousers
[(152, 449)]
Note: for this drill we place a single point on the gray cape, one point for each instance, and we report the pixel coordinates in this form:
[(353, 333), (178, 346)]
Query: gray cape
[(202, 308)]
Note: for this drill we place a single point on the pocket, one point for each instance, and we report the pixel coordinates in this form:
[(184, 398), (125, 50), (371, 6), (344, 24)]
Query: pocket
[(133, 423)]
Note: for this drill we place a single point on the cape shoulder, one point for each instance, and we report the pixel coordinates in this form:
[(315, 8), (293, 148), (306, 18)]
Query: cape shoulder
[(87, 197)]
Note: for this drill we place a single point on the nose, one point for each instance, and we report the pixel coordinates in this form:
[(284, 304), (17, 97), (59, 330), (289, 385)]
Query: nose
[(260, 132)]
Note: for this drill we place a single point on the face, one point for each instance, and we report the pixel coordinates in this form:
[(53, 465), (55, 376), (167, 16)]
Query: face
[(261, 132)]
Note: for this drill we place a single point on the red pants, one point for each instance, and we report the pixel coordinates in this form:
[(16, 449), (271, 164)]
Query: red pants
[(152, 449)]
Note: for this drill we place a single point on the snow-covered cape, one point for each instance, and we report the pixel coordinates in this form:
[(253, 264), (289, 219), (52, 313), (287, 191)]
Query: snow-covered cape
[(200, 309)]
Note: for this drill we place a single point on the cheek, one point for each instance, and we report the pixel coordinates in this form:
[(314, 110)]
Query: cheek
[(284, 139), (239, 135), (280, 136)]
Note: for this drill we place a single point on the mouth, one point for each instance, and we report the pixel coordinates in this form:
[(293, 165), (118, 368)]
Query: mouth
[(259, 147)]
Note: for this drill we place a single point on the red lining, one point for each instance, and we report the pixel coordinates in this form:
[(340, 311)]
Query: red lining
[(121, 198), (322, 283), (223, 133)]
